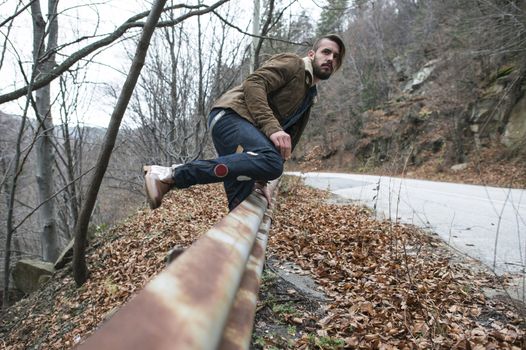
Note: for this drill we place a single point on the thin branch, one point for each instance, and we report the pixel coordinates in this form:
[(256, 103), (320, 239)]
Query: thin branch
[(255, 36), (82, 53), (16, 13), (50, 198)]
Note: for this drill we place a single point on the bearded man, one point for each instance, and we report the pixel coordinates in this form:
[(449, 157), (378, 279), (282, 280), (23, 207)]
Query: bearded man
[(255, 126)]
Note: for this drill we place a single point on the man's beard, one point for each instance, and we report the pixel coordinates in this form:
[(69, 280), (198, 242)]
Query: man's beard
[(319, 73)]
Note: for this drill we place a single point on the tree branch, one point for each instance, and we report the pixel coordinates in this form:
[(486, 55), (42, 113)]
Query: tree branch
[(16, 13), (50, 198), (256, 36), (132, 22)]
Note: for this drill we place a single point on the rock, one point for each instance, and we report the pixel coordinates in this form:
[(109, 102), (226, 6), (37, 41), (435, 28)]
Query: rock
[(485, 109), (419, 77), (65, 256), (43, 279), (515, 132), (295, 276), (459, 167), (29, 275), (401, 68)]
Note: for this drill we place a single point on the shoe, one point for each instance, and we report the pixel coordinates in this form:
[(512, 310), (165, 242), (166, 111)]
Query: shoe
[(157, 182)]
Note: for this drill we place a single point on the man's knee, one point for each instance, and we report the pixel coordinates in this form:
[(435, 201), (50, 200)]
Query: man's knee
[(274, 165)]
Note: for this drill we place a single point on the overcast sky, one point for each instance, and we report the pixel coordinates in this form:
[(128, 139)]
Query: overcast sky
[(79, 18)]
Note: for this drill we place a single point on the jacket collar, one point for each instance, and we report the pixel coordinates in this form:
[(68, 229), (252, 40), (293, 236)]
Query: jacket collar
[(308, 68)]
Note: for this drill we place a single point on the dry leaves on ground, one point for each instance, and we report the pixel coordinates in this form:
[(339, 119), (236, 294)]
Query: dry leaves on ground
[(121, 262), (390, 285)]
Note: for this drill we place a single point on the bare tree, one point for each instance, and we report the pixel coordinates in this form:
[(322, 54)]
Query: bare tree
[(80, 269), (44, 61), (67, 156), (280, 33), (179, 83), (10, 182)]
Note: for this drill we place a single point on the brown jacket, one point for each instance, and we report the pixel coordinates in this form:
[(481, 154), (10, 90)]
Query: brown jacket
[(272, 93)]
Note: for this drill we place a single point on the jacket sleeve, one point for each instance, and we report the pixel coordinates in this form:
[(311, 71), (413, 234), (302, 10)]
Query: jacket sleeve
[(270, 77)]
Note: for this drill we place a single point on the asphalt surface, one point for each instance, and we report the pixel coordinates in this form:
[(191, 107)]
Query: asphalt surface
[(485, 223)]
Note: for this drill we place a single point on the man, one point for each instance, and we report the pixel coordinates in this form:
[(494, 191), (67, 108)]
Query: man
[(255, 126)]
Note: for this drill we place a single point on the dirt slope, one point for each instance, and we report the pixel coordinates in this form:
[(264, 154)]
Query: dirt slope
[(387, 285)]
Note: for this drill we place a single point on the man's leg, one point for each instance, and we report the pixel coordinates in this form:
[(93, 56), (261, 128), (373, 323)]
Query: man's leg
[(237, 191), (245, 155)]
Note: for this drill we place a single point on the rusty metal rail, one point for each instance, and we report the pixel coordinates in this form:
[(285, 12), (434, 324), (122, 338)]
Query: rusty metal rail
[(206, 298)]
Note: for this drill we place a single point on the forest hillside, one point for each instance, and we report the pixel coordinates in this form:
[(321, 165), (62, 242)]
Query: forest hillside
[(431, 90), (428, 89)]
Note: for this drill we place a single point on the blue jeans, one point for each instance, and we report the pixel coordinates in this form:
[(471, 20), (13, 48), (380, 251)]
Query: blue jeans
[(246, 155)]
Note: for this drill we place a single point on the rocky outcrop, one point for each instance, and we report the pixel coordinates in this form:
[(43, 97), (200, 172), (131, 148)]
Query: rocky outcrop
[(425, 124), (29, 275), (65, 256), (500, 111), (421, 76), (515, 133)]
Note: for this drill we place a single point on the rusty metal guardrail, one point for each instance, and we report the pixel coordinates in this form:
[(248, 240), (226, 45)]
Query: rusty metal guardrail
[(206, 298)]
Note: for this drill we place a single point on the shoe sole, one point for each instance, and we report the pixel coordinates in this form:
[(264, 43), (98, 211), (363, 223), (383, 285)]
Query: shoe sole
[(147, 179)]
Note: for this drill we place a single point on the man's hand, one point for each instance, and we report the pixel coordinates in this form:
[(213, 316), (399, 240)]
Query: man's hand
[(282, 142)]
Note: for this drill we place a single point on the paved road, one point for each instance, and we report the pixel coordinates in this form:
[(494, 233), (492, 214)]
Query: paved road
[(486, 223)]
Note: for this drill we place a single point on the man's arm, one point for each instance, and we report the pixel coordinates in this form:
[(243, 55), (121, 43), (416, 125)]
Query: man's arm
[(272, 76)]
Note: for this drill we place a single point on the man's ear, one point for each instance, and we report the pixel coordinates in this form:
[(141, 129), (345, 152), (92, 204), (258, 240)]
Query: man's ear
[(311, 53)]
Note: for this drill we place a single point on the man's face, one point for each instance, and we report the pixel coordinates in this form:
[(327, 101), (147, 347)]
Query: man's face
[(325, 59)]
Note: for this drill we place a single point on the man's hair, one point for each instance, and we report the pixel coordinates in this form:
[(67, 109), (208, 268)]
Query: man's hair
[(335, 38)]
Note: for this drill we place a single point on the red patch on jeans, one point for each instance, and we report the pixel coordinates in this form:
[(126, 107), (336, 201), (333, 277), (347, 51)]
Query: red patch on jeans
[(221, 170)]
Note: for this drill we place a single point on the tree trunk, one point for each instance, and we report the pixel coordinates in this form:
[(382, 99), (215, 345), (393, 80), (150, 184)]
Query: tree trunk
[(201, 118), (80, 269), (70, 170), (15, 171), (44, 61)]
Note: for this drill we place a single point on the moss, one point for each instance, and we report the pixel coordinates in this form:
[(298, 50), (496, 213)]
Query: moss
[(505, 71), (502, 72)]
